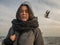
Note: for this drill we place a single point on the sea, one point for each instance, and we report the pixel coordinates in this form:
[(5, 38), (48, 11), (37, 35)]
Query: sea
[(47, 40)]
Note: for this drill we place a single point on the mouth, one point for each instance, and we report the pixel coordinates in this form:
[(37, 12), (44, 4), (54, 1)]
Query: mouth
[(24, 17)]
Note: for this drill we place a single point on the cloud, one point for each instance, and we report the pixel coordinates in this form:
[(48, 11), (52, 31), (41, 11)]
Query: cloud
[(10, 3), (6, 14), (52, 3), (48, 26)]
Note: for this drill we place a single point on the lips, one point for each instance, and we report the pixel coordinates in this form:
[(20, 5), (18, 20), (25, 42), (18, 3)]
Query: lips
[(24, 17)]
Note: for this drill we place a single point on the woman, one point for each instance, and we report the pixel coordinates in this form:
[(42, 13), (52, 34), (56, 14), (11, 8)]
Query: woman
[(24, 30)]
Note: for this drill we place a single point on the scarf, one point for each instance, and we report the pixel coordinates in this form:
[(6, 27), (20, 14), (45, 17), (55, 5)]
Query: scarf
[(20, 26)]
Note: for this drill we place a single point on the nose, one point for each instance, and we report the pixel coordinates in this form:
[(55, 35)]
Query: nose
[(24, 13)]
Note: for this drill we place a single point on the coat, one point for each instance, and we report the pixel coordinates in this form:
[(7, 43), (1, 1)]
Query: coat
[(26, 38)]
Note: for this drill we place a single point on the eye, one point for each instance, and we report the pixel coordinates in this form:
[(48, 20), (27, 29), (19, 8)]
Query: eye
[(21, 11), (26, 11)]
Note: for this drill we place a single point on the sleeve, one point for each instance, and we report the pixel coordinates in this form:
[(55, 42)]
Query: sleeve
[(38, 38), (7, 40)]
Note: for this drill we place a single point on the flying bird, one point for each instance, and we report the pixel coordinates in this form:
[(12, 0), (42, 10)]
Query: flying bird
[(47, 14)]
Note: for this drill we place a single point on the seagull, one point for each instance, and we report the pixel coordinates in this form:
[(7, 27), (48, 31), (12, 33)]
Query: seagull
[(47, 14)]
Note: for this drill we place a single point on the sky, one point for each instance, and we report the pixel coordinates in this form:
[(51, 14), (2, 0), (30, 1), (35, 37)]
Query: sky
[(49, 26)]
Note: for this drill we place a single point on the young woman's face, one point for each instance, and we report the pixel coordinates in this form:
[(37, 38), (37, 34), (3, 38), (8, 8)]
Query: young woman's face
[(24, 15)]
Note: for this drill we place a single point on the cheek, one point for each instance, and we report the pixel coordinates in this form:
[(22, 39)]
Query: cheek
[(28, 16), (21, 14)]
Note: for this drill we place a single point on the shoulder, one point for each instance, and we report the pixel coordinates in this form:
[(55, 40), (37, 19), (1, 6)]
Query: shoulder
[(37, 30), (11, 31)]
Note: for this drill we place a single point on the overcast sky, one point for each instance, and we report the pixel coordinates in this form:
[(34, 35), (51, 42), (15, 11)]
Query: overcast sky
[(8, 10)]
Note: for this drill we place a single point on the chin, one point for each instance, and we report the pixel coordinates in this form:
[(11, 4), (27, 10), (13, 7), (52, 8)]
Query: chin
[(24, 20)]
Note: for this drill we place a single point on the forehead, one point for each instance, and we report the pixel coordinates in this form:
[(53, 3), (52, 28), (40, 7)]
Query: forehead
[(24, 7)]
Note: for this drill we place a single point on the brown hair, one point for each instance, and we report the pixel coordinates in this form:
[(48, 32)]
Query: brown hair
[(31, 15)]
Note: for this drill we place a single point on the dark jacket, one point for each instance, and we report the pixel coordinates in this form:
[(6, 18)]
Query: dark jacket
[(26, 38)]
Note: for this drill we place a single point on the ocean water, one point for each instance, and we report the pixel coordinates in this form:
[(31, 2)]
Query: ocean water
[(47, 40), (52, 40)]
